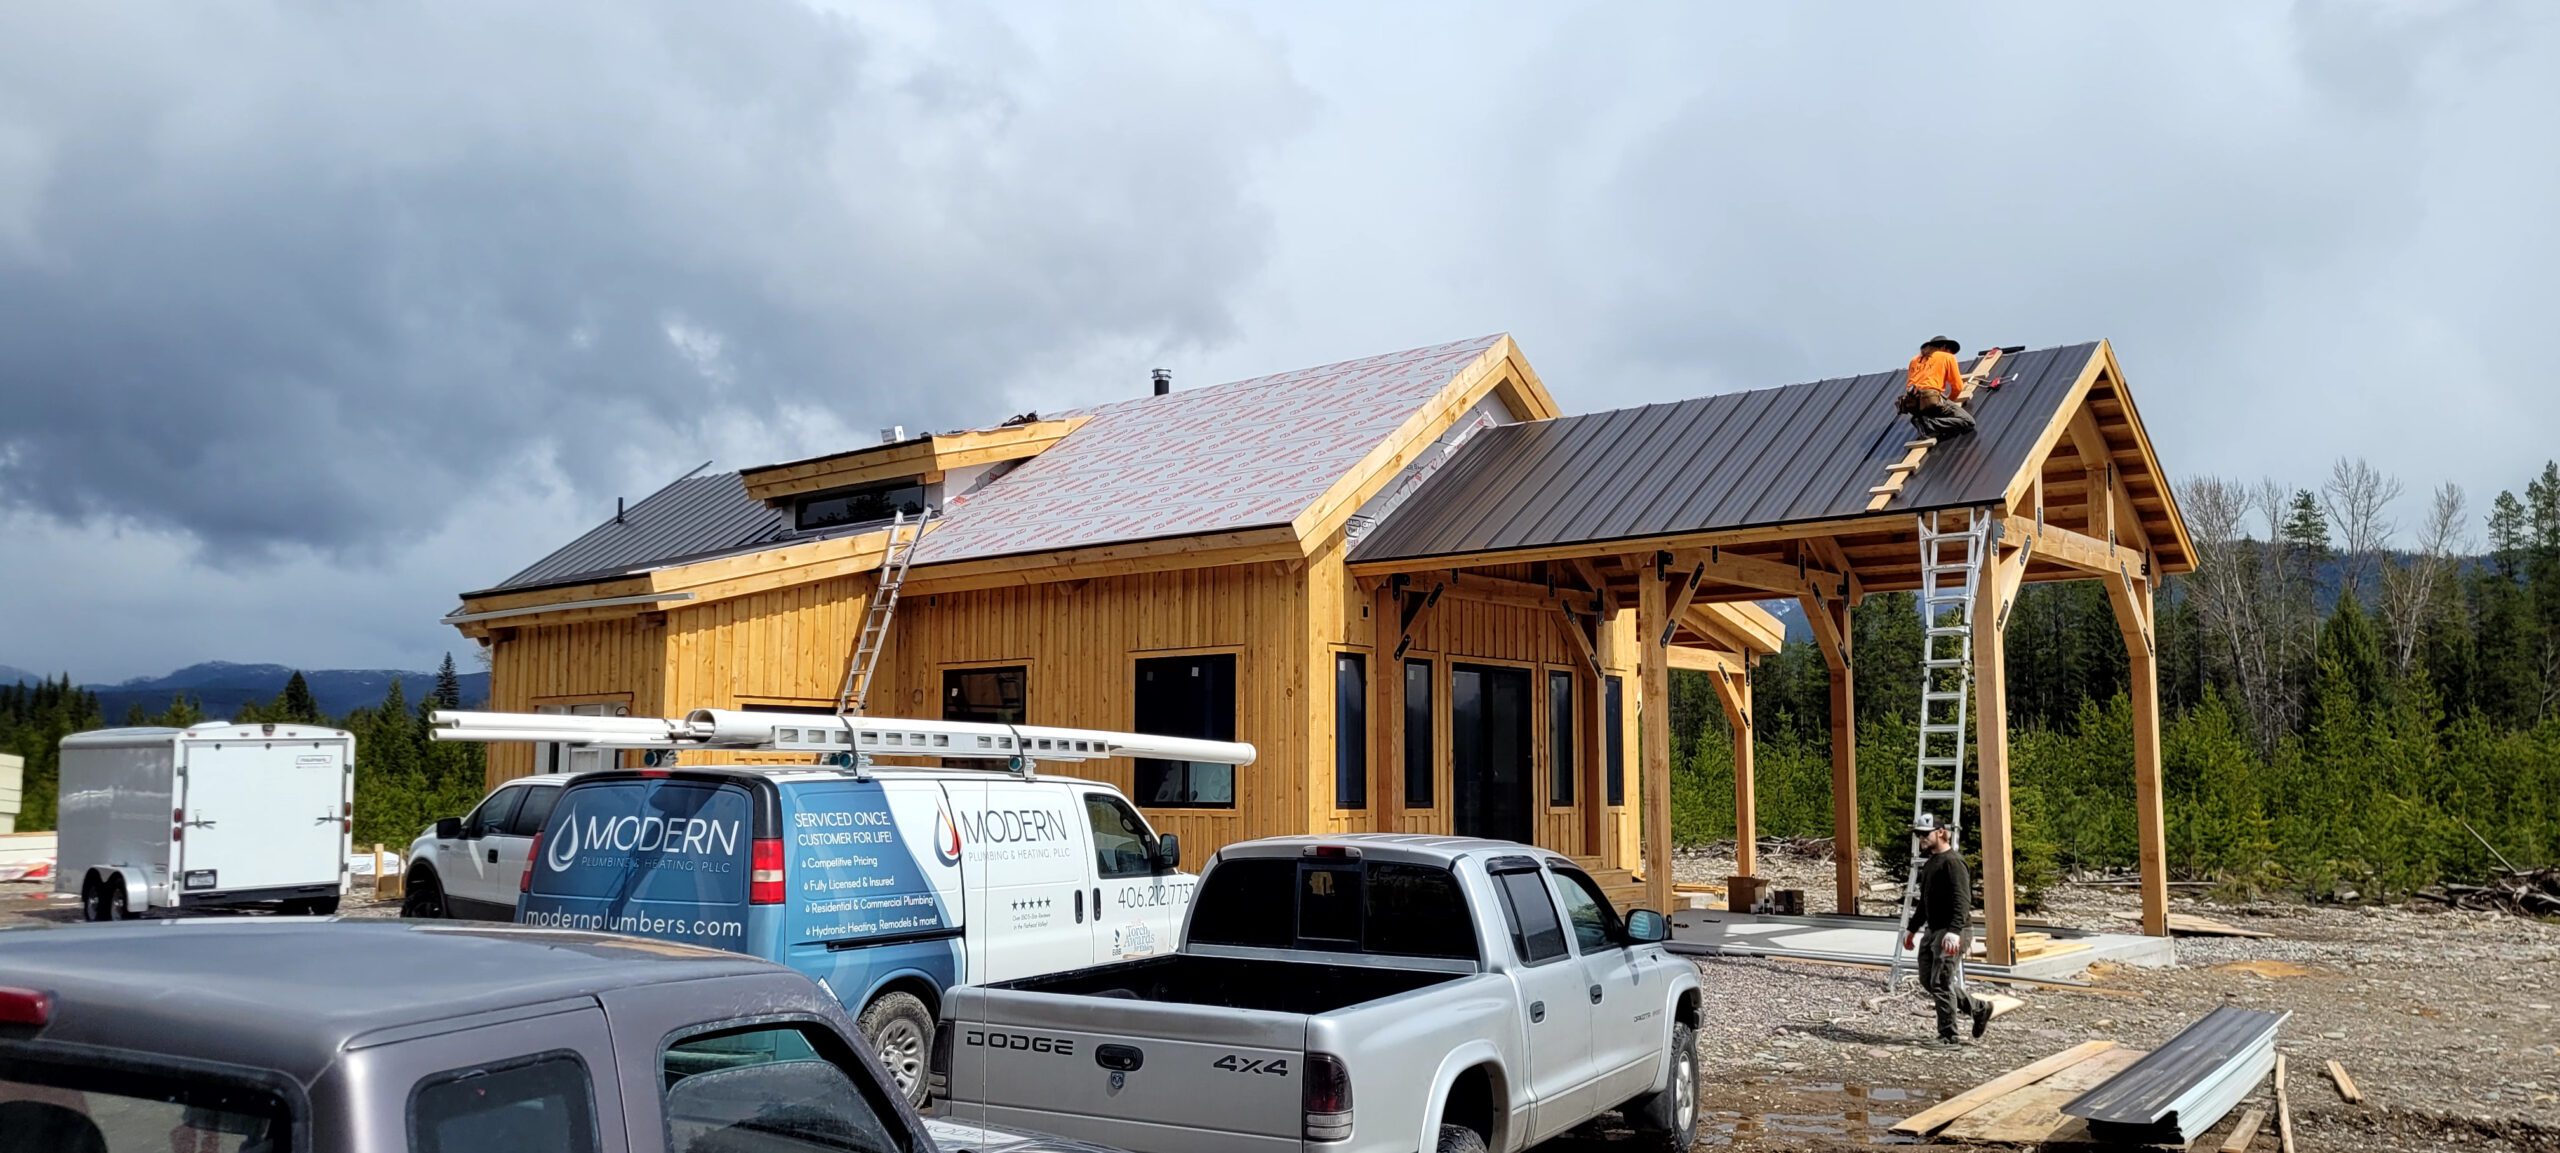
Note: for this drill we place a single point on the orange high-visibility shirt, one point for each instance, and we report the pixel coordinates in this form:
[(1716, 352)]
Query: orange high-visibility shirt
[(1935, 371)]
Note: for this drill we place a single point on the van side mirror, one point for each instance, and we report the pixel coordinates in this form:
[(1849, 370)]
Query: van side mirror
[(448, 828), (1646, 927), (1168, 852)]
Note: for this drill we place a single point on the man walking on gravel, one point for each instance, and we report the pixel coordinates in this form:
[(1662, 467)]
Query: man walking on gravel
[(1939, 930)]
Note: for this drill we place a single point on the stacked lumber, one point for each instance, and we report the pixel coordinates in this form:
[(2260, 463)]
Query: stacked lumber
[(2524, 892)]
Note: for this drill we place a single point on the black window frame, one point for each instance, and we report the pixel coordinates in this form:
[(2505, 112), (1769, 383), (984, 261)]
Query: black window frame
[(1526, 937), (1613, 718), (464, 1074), (890, 490), (1350, 730), (1562, 764), (1421, 741), (1220, 712), (1021, 673)]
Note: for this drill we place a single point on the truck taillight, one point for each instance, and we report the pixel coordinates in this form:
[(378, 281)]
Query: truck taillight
[(764, 875), (937, 1082), (1327, 1094), (532, 853), (26, 1007)]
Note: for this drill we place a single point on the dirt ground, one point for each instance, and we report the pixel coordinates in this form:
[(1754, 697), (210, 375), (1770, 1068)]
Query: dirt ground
[(2446, 1020)]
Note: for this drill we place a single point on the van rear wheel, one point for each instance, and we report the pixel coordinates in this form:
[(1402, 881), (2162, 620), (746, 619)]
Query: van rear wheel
[(900, 1029)]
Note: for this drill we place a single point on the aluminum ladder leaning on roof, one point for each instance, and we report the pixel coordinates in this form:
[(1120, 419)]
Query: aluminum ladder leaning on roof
[(856, 694), (1946, 687)]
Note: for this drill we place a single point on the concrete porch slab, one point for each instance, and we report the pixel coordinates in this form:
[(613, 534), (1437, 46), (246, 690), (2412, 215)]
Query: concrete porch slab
[(1831, 936)]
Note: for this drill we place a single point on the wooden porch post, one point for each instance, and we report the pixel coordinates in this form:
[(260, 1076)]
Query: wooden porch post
[(2132, 600), (1653, 710), (1831, 629), (1999, 582), (1735, 693)]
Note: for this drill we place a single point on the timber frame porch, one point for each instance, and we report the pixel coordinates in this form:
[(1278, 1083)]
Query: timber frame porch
[(1664, 511)]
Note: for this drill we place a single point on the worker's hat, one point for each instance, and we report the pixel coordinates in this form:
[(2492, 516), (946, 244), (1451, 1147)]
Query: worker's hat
[(1925, 824), (1942, 341)]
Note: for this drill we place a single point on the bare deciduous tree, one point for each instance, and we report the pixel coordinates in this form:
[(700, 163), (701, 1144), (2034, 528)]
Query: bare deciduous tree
[(2414, 591), (2356, 496), (2240, 586)]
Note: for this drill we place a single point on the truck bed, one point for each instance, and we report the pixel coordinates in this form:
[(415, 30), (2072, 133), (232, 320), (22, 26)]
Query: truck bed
[(1276, 986)]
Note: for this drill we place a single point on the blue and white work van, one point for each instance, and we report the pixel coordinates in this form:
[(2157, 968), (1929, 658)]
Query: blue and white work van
[(887, 886)]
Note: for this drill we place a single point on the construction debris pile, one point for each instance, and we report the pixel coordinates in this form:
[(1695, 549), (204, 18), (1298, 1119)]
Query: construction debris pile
[(2524, 892)]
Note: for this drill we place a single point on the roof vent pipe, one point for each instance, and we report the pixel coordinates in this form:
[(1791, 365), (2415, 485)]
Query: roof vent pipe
[(893, 434), (617, 510), (1164, 381)]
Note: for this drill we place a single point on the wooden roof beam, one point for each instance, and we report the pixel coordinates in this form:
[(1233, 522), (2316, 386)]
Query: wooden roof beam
[(1766, 575)]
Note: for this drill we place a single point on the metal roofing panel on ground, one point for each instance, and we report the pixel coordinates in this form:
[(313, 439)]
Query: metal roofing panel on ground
[(2149, 1091), (1249, 454), (1803, 452)]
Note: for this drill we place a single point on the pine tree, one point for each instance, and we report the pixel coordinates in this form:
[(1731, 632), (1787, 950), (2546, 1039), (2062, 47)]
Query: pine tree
[(448, 690), (296, 705)]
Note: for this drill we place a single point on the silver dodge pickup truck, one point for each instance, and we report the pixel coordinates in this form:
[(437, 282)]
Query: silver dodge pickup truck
[(1344, 994)]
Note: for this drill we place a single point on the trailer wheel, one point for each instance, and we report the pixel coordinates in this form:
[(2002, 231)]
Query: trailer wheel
[(900, 1030), (93, 899), (116, 908)]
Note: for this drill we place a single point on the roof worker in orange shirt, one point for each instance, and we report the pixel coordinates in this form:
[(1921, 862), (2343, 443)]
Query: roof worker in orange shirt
[(1934, 398)]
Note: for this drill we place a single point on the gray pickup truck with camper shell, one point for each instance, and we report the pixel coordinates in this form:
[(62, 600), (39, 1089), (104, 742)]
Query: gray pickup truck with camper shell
[(1345, 994)]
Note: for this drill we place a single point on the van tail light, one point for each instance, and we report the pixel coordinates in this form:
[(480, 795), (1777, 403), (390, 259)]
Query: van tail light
[(532, 853), (764, 876), (26, 1007), (937, 1082), (1327, 1094)]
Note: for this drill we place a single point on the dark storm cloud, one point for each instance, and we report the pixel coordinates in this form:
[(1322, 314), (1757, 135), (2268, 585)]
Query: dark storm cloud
[(293, 276)]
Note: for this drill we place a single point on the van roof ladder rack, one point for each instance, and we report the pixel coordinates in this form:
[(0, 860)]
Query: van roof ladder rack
[(848, 741)]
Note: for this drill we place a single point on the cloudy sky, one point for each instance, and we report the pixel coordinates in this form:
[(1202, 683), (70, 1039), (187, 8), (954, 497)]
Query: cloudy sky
[(311, 317)]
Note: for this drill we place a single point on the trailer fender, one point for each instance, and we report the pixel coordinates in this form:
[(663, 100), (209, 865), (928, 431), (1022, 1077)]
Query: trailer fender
[(137, 885), (1474, 1055)]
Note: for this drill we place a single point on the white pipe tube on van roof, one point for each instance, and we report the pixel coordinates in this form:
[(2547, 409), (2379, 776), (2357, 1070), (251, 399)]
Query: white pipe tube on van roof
[(463, 719)]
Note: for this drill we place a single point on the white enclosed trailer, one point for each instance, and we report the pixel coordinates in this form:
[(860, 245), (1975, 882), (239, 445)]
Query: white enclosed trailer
[(212, 815)]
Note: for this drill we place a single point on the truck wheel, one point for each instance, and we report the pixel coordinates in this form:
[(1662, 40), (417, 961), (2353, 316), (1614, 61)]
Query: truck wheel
[(1460, 1139), (422, 898), (1667, 1119), (901, 1034)]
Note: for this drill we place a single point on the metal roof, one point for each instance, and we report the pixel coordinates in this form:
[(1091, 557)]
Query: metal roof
[(696, 518), (1803, 452), (1249, 454)]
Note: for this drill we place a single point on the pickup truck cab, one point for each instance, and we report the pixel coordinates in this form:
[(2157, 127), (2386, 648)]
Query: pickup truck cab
[(277, 1036), (1367, 992), (886, 886), (471, 867)]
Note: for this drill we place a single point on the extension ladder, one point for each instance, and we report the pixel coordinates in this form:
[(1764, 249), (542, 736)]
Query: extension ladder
[(884, 608), (1951, 567)]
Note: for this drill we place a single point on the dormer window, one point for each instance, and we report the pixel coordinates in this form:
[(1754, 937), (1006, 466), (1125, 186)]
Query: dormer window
[(857, 505)]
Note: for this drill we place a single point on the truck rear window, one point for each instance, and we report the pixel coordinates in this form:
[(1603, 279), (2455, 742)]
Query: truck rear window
[(52, 1105), (1334, 906)]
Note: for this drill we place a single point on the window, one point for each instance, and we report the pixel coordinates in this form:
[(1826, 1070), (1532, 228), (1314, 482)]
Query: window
[(1187, 697), (494, 813), (1121, 842), (1560, 737), (1350, 731), (55, 1103), (540, 1103), (1595, 924), (1535, 933), (776, 1087), (552, 757), (536, 809), (998, 695), (1417, 735), (857, 506), (1373, 907), (1613, 718)]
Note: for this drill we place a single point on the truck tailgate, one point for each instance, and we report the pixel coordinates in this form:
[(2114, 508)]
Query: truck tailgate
[(1170, 1078)]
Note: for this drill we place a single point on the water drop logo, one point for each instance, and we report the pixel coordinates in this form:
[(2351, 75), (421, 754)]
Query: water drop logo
[(946, 838), (563, 852)]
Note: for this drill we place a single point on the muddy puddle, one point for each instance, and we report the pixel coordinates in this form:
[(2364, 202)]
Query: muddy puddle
[(1847, 1113)]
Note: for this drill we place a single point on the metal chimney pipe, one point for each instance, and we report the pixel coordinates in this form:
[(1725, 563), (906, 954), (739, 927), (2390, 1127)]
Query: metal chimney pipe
[(1164, 381)]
